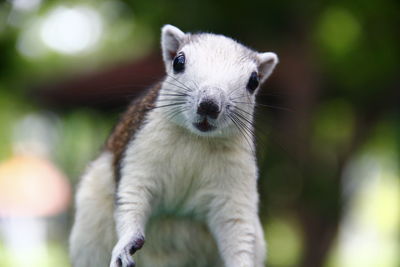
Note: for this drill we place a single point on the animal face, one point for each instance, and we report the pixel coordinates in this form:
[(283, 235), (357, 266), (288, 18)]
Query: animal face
[(211, 82)]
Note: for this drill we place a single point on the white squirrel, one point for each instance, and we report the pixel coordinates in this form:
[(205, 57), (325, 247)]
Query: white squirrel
[(179, 169)]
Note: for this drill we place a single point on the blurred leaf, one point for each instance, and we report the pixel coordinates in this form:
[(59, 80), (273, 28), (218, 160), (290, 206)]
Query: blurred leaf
[(338, 31), (333, 126), (285, 242)]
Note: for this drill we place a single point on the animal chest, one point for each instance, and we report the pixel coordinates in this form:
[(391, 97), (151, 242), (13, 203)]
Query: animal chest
[(187, 173)]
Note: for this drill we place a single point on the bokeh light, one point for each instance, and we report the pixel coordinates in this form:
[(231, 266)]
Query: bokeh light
[(339, 30), (71, 30), (26, 5)]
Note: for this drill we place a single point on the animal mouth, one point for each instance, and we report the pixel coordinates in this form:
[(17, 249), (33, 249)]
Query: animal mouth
[(204, 125)]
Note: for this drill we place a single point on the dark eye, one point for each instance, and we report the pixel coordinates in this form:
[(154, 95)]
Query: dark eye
[(253, 82), (179, 63)]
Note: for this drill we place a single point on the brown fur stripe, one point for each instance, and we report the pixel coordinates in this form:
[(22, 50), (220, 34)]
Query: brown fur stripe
[(128, 125)]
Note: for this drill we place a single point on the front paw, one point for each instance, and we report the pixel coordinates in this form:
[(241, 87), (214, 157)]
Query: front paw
[(124, 249)]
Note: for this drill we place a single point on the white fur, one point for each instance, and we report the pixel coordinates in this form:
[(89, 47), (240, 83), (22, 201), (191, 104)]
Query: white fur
[(93, 234), (182, 188)]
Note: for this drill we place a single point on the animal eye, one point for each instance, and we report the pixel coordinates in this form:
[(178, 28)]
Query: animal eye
[(253, 82), (179, 63)]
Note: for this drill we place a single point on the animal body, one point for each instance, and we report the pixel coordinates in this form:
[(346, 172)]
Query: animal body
[(179, 169)]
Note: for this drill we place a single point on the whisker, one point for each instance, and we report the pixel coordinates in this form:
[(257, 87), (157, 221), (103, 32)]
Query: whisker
[(173, 91), (180, 99), (263, 105), (176, 112), (242, 110), (238, 97), (169, 105), (244, 118), (242, 131), (254, 128), (185, 88), (234, 91), (196, 85), (168, 94), (248, 128), (245, 126), (250, 120), (276, 107), (184, 85)]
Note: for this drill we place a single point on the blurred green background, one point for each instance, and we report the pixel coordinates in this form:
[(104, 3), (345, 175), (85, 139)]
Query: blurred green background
[(328, 131)]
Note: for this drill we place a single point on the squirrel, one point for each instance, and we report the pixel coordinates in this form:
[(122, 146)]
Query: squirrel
[(179, 169)]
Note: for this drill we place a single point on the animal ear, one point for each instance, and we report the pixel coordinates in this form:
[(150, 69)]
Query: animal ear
[(266, 64), (171, 39)]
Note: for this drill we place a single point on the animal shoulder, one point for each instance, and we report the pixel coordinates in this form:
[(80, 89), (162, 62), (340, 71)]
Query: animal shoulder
[(130, 123)]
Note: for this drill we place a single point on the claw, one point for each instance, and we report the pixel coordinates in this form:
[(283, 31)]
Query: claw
[(136, 245), (125, 260), (122, 254)]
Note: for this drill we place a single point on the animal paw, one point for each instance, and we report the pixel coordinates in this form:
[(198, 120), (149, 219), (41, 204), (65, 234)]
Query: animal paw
[(123, 251)]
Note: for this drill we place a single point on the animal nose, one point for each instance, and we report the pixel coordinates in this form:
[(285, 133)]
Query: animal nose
[(208, 107)]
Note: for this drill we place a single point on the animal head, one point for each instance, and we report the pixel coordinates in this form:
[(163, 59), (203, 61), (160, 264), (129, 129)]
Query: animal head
[(211, 81)]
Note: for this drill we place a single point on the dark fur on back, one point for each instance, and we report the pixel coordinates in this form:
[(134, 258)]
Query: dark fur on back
[(128, 124)]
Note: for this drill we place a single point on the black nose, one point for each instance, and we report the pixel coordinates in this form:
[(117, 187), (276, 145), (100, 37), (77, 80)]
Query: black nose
[(208, 107)]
